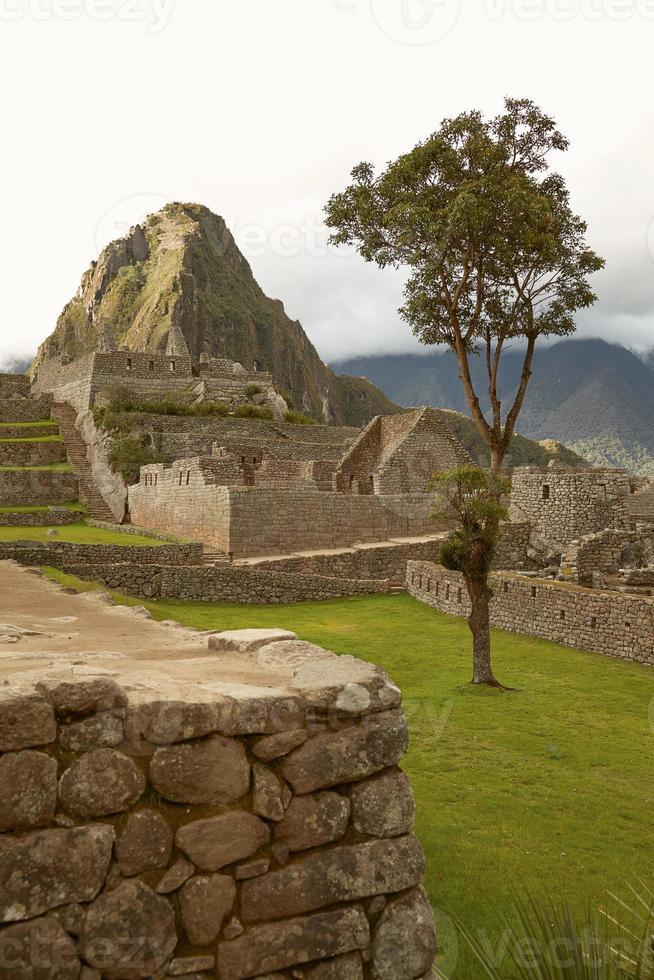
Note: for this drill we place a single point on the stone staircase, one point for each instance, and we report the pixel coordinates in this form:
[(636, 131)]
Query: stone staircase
[(212, 558), (76, 453)]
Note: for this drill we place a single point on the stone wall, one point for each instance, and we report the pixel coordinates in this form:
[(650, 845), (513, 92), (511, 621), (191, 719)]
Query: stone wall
[(40, 518), (641, 501), (257, 835), (617, 625), (222, 583), (387, 560), (61, 554), (605, 552), (37, 487), (563, 504), (513, 547), (27, 409), (20, 452), (248, 521)]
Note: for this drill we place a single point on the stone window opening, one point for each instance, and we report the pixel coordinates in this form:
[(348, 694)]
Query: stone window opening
[(172, 365), (156, 477), (428, 585), (533, 592), (420, 581), (151, 366), (546, 491), (129, 363), (188, 477), (352, 483), (562, 614), (459, 596), (447, 592), (593, 621), (413, 578), (438, 588), (506, 588), (180, 478)]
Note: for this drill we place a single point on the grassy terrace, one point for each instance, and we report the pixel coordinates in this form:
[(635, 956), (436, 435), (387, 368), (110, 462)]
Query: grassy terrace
[(548, 789), (77, 534), (44, 423), (52, 468), (14, 509), (30, 439)]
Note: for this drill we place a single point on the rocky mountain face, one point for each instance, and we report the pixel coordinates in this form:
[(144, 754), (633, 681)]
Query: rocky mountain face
[(596, 398), (182, 269)]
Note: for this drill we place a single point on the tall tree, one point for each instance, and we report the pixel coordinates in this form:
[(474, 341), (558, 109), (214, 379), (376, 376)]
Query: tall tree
[(474, 505), (494, 252)]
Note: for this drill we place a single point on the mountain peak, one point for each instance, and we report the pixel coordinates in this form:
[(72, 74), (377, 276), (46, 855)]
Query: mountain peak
[(180, 279)]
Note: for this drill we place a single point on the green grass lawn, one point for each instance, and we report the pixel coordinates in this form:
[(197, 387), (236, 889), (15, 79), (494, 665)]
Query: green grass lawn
[(74, 506), (23, 439), (548, 789), (52, 468), (44, 423), (77, 534)]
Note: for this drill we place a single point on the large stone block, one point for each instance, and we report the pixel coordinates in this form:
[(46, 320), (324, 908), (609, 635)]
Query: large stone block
[(348, 967), (104, 730), (129, 932), (342, 874), (214, 843), (206, 901), (25, 721), (404, 940), (383, 806), (313, 820), (247, 641), (290, 943), (43, 870), (348, 755), (28, 790), (100, 783), (214, 770), (145, 843), (38, 950), (83, 697)]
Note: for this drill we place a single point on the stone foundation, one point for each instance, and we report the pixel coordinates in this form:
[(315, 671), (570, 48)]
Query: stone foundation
[(61, 554), (604, 622), (24, 453), (37, 487), (231, 814), (222, 583)]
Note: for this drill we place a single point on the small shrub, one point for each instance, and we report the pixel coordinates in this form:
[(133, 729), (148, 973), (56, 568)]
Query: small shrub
[(128, 454), (253, 412), (211, 408), (253, 390), (297, 418)]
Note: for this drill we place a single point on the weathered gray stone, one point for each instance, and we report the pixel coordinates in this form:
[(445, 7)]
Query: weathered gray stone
[(252, 869), (26, 720), (292, 654), (218, 841), (214, 770), (144, 844), (38, 950), (48, 868), (99, 731), (175, 877), (348, 755), (83, 697), (71, 917), (275, 746), (247, 641), (128, 933), (206, 901), (267, 794), (101, 782), (233, 929), (342, 874), (295, 941), (404, 940), (28, 790), (348, 967), (313, 820), (167, 722), (184, 965), (383, 806)]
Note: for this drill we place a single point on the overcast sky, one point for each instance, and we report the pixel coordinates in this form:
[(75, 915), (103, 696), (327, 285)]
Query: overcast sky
[(260, 108)]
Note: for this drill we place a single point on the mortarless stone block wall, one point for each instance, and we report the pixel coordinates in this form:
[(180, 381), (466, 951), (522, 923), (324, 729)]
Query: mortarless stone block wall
[(37, 487), (264, 833), (605, 622)]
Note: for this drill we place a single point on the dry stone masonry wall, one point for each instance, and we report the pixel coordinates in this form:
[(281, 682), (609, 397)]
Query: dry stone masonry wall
[(605, 622), (266, 834)]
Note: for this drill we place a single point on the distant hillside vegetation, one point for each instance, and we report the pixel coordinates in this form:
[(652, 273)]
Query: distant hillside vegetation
[(524, 452), (595, 398)]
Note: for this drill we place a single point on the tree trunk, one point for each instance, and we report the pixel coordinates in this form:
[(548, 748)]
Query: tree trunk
[(479, 623)]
